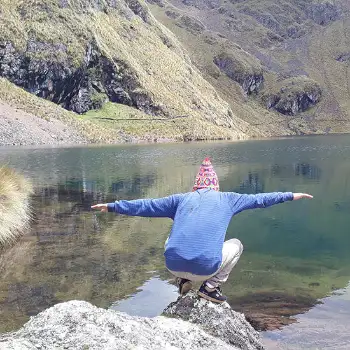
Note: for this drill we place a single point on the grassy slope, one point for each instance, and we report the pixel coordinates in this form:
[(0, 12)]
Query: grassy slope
[(313, 54), (114, 123), (203, 47), (153, 55)]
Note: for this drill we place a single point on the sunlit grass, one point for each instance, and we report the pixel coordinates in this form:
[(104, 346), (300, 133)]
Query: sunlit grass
[(15, 213)]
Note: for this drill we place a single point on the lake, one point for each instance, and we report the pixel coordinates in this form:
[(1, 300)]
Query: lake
[(291, 280)]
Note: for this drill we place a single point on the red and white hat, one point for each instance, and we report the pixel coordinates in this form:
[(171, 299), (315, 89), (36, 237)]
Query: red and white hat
[(206, 177)]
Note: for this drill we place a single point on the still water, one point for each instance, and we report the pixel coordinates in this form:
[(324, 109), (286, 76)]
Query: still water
[(296, 257)]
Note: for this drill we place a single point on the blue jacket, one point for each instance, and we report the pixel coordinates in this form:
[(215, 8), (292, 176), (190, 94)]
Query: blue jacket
[(200, 222)]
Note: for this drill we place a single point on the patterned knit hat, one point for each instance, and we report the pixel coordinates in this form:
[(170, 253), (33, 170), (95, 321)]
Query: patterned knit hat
[(206, 177)]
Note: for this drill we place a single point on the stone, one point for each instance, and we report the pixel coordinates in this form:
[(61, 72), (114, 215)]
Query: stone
[(219, 320), (250, 78), (79, 325), (296, 96)]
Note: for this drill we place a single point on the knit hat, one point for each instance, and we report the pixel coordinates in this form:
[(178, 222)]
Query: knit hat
[(206, 177)]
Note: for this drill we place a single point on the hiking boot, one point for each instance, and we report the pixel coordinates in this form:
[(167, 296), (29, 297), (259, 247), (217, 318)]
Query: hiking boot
[(213, 294), (184, 285)]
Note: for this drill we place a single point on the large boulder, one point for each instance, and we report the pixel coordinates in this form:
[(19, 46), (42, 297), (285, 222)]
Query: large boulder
[(79, 325), (219, 320)]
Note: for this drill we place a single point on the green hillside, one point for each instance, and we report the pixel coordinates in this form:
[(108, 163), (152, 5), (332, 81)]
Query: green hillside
[(301, 48), (183, 70), (82, 54)]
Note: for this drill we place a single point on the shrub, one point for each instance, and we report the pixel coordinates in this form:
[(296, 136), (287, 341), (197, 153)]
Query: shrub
[(15, 213)]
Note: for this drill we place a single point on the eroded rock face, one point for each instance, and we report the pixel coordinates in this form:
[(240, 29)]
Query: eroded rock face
[(250, 78), (218, 320), (79, 325), (75, 88), (294, 98)]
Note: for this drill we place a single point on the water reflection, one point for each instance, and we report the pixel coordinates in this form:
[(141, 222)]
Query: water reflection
[(295, 253), (307, 170), (143, 303), (252, 184), (326, 326)]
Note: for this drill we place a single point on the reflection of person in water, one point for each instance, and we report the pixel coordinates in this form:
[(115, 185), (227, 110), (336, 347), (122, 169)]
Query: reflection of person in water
[(195, 250)]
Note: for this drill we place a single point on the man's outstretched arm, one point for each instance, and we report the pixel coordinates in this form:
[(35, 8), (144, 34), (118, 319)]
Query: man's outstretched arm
[(240, 202), (160, 207)]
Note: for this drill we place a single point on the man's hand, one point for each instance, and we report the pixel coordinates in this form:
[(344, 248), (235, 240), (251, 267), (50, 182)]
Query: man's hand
[(101, 207), (297, 196)]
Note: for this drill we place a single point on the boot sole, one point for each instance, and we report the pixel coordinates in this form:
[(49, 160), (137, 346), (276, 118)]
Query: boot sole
[(204, 296)]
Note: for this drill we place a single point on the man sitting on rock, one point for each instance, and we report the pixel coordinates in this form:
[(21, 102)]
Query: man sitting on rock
[(195, 250)]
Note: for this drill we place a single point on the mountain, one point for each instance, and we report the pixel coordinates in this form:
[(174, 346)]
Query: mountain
[(82, 54), (179, 69), (289, 58)]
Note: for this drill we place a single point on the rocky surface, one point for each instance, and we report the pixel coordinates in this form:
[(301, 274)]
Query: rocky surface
[(248, 76), (18, 128), (294, 97), (218, 320), (79, 325), (96, 80)]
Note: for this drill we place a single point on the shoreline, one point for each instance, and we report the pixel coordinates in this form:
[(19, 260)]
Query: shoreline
[(152, 143)]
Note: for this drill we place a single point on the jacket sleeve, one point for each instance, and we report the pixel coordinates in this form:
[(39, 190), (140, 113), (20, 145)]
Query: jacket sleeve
[(240, 202), (160, 207)]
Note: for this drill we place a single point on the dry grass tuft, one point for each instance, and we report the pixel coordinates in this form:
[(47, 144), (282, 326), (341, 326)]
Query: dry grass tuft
[(15, 213)]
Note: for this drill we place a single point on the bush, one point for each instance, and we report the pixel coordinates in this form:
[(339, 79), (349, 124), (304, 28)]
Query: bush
[(15, 213)]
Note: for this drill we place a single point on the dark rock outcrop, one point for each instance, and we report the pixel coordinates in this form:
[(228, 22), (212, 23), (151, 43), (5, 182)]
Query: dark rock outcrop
[(79, 325), (249, 77), (294, 98), (77, 88), (191, 24)]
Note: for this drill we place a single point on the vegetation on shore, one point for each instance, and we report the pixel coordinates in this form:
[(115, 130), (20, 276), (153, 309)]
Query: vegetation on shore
[(15, 212)]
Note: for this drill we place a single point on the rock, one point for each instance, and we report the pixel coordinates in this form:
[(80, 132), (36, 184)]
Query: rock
[(191, 24), (218, 320), (323, 13), (172, 13), (138, 9), (296, 96), (79, 325), (249, 76), (74, 88)]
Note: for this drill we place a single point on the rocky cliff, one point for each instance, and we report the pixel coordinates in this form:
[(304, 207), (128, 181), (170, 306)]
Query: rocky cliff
[(83, 54), (183, 70), (79, 325)]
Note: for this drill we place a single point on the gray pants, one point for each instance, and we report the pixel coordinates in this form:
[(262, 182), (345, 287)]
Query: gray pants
[(231, 252)]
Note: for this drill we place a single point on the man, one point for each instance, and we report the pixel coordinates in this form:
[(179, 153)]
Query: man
[(195, 250)]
